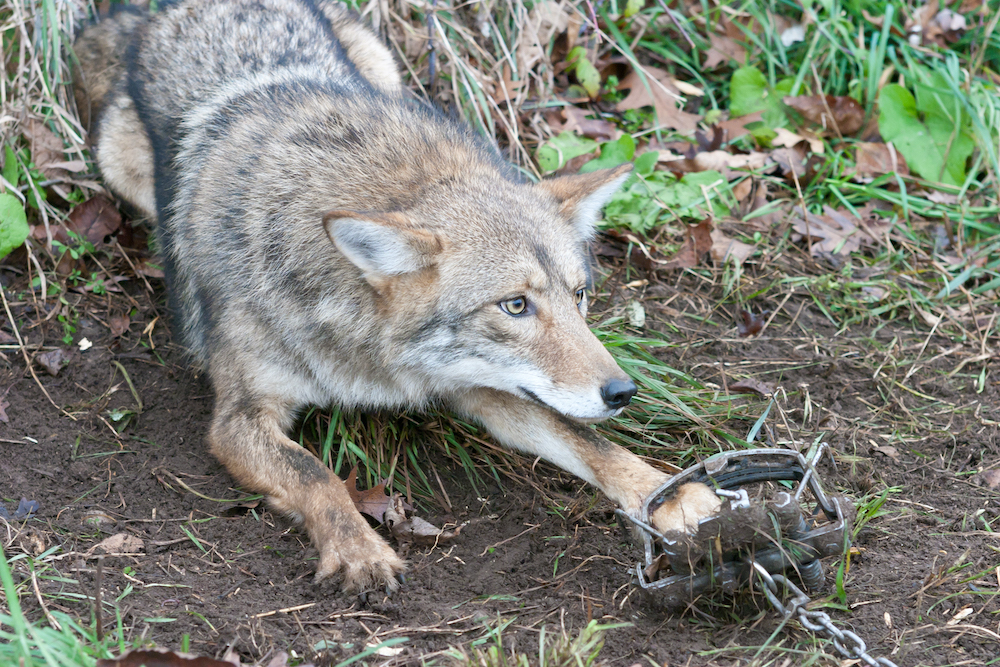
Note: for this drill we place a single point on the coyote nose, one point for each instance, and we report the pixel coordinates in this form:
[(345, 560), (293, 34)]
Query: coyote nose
[(618, 393)]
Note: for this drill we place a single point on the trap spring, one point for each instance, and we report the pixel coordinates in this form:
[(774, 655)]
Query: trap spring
[(771, 532)]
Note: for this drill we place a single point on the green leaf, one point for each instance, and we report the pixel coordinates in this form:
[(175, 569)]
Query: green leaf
[(632, 7), (747, 89), (585, 72), (948, 123), (11, 171), (645, 163), (924, 145), (613, 153), (555, 153), (13, 224)]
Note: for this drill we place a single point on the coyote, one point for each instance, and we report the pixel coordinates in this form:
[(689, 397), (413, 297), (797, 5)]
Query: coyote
[(328, 239)]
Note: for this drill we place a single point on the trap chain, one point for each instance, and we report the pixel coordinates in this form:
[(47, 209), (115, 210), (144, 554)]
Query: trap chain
[(790, 523)]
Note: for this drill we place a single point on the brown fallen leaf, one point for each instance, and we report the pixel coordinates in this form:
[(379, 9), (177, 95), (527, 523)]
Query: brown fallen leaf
[(53, 361), (118, 324), (725, 248), (46, 148), (988, 478), (836, 114), (372, 502), (837, 231), (734, 128), (94, 219), (577, 121), (144, 268), (787, 139), (874, 159), (752, 386), (888, 450), (697, 242), (662, 95), (726, 47), (4, 404), (414, 529), (722, 161), (118, 544), (792, 160), (164, 658), (750, 324)]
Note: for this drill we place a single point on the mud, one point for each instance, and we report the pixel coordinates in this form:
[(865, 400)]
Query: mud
[(922, 586)]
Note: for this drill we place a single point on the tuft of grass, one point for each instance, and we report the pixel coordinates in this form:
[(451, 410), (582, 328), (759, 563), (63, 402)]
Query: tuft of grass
[(556, 648)]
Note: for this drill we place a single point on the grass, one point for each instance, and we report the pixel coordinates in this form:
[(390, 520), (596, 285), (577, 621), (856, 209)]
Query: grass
[(935, 264)]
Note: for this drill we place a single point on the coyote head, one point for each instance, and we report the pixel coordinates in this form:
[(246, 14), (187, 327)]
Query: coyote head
[(483, 283)]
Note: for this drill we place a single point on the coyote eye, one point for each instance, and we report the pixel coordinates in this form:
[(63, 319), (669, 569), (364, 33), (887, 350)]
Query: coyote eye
[(580, 293), (516, 306)]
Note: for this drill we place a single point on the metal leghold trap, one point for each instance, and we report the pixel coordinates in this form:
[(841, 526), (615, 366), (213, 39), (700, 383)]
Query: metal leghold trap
[(777, 516)]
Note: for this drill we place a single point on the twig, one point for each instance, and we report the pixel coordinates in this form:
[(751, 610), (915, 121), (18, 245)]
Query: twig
[(27, 359)]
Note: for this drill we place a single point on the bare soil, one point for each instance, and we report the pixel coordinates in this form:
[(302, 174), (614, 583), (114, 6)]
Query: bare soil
[(922, 587)]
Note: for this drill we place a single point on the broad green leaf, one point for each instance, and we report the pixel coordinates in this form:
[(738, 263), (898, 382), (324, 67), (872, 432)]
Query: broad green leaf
[(585, 72), (11, 171), (555, 153), (13, 224), (641, 204), (645, 163), (632, 7), (747, 89), (923, 148), (613, 153), (749, 92), (949, 125)]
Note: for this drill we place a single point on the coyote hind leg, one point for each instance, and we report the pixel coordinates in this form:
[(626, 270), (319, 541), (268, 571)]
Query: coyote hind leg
[(248, 437)]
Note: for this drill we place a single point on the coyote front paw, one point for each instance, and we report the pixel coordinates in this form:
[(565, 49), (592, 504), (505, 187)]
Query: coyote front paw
[(350, 545), (692, 503)]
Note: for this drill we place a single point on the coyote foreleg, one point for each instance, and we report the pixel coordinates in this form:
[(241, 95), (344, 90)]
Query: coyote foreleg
[(576, 448)]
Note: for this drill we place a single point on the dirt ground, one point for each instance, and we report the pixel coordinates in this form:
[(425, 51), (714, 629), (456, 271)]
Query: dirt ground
[(922, 588)]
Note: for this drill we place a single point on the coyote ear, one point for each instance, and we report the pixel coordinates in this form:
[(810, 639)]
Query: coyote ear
[(382, 245), (582, 196)]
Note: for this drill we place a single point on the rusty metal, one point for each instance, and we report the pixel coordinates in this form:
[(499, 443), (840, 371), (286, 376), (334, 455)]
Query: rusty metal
[(770, 531)]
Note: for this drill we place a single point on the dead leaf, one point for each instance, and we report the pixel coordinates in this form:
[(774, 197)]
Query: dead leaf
[(888, 450), (791, 160), (874, 159), (545, 20), (53, 361), (697, 242), (372, 502), (414, 529), (94, 219), (752, 386), (726, 47), (725, 248), (989, 478), (719, 160), (786, 138), (662, 95), (837, 231), (750, 324), (743, 189), (118, 324), (119, 543), (46, 148), (577, 121), (837, 114), (734, 128), (4, 404), (164, 658), (144, 268)]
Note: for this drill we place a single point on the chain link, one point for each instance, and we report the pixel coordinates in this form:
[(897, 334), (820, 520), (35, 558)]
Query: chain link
[(846, 642)]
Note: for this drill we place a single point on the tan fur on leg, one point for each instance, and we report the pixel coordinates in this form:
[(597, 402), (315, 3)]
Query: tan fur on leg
[(248, 439)]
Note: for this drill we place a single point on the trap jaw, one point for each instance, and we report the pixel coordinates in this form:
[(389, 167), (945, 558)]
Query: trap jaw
[(771, 532)]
